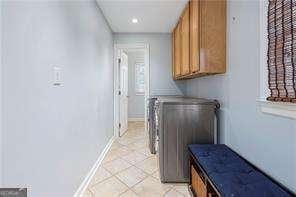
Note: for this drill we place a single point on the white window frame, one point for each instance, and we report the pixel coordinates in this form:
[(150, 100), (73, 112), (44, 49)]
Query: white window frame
[(283, 109), (136, 76)]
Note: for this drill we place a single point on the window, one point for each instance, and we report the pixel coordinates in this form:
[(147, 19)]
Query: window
[(140, 78), (281, 107), (281, 51)]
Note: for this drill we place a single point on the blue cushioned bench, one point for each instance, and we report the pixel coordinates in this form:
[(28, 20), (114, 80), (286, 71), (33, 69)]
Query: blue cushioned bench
[(225, 173)]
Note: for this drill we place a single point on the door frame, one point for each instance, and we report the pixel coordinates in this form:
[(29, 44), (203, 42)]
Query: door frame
[(124, 95), (129, 46)]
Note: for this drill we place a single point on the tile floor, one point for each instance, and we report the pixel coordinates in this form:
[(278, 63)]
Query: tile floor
[(129, 169)]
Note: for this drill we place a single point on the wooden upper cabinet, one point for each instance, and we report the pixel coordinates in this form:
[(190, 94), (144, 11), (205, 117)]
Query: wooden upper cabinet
[(177, 52), (194, 36), (201, 41), (212, 36), (173, 54), (185, 67)]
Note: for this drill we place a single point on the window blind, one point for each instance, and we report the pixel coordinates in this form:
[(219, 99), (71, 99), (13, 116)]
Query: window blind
[(282, 50)]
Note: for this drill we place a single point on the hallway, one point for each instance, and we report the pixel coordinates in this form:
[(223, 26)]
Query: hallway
[(129, 169), (74, 75)]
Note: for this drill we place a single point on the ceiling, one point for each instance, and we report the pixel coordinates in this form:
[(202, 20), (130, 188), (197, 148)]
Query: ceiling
[(153, 15)]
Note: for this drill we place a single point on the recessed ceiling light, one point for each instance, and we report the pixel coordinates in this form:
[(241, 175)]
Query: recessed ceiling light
[(134, 20)]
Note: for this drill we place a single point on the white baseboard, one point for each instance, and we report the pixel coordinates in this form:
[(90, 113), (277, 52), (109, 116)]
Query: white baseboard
[(136, 119), (93, 170)]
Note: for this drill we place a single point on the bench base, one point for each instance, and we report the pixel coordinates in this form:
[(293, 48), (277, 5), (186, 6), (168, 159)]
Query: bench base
[(198, 184)]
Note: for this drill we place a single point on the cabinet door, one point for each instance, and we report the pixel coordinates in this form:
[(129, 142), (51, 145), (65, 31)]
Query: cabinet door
[(173, 54), (198, 185), (194, 36), (185, 68), (213, 36), (177, 51)]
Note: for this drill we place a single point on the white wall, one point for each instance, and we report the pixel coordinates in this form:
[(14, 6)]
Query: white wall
[(135, 101), (53, 135), (267, 141), (161, 81)]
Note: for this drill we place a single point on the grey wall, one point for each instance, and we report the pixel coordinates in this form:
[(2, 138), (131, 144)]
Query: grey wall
[(135, 101), (52, 136), (161, 81), (267, 141)]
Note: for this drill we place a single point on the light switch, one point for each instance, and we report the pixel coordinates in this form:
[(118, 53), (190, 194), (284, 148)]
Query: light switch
[(57, 77)]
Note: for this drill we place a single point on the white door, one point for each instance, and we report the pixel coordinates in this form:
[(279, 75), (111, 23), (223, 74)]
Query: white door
[(123, 117)]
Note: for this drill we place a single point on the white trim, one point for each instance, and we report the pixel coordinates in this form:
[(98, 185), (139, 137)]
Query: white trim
[(140, 94), (130, 46), (115, 92), (264, 90), (136, 119), (282, 109), (93, 170)]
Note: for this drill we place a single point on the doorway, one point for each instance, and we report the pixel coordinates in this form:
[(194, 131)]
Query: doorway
[(131, 85)]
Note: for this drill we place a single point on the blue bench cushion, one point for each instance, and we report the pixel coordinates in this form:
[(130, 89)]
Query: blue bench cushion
[(232, 175)]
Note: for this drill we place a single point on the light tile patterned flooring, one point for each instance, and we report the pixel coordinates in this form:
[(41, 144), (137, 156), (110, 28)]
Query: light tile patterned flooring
[(129, 169)]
